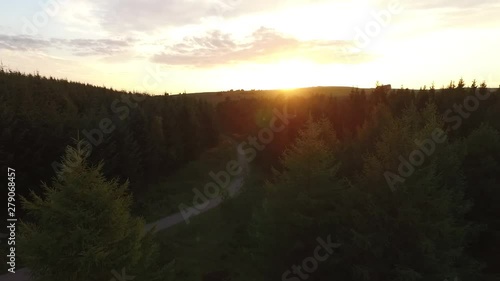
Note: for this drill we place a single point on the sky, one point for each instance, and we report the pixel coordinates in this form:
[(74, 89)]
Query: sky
[(174, 46)]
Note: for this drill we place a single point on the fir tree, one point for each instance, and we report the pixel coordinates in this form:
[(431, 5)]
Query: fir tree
[(299, 202), (82, 229)]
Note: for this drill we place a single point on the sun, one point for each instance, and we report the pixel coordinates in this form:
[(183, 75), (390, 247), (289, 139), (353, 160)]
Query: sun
[(287, 74)]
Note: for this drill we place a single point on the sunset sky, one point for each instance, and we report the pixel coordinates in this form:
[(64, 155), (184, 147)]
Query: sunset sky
[(198, 45)]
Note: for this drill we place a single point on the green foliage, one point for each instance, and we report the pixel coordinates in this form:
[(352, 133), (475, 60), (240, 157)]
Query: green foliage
[(482, 167), (299, 201), (329, 161), (439, 217), (416, 232), (82, 228), (149, 137)]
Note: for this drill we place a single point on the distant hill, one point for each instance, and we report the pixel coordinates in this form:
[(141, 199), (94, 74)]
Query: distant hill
[(217, 97)]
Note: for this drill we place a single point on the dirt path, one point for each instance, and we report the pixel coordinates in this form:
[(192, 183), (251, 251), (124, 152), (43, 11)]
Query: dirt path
[(233, 189)]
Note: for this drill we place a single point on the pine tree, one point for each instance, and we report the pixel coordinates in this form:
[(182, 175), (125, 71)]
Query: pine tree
[(414, 230), (298, 203), (482, 170), (82, 229)]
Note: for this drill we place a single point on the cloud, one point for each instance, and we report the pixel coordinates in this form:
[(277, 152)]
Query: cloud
[(78, 47), (264, 45), (21, 43), (149, 15), (89, 47)]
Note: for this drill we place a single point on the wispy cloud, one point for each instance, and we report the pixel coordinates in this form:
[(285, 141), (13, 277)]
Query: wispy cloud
[(265, 44), (78, 47), (149, 15)]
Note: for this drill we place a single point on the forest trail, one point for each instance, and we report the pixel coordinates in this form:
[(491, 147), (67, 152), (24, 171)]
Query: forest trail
[(234, 187)]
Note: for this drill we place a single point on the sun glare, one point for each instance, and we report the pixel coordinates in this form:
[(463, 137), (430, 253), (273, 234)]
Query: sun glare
[(287, 74)]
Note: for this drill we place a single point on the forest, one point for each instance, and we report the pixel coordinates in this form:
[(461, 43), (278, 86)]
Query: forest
[(377, 184)]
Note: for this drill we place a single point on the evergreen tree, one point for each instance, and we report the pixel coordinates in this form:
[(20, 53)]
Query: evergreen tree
[(298, 203), (82, 229), (482, 170), (414, 229)]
